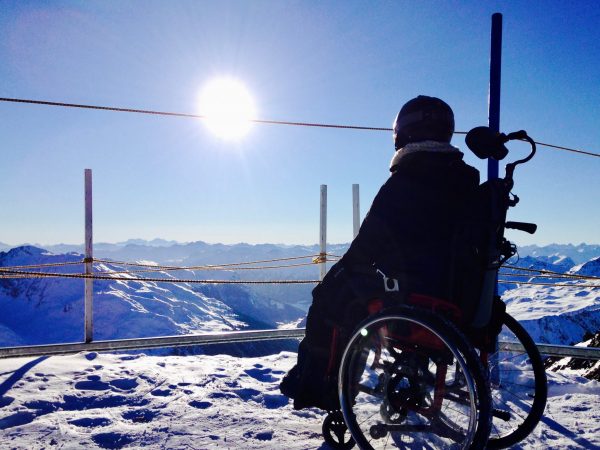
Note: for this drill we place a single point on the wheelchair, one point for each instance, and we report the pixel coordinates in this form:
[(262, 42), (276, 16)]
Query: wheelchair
[(414, 375)]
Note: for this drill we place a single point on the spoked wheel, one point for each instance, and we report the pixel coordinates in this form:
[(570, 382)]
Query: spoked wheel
[(336, 432), (409, 379), (519, 386)]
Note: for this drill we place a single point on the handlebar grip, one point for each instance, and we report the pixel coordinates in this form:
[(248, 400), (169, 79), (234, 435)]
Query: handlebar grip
[(522, 226)]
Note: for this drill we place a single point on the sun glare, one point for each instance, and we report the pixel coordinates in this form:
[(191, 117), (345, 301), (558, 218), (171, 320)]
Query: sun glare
[(228, 108)]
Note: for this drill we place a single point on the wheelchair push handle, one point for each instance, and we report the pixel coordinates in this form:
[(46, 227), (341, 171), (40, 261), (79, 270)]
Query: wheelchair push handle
[(486, 143), (522, 226)]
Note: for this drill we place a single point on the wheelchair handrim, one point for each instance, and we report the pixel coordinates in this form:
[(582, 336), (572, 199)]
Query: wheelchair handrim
[(344, 400)]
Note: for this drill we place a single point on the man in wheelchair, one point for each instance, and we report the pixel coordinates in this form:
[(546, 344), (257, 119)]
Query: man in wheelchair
[(405, 245)]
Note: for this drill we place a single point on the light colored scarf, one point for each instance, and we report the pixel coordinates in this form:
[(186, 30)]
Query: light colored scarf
[(424, 146)]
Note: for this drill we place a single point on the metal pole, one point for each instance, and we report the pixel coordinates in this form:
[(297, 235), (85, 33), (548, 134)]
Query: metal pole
[(89, 286), (494, 124), (323, 231), (494, 94), (355, 209)]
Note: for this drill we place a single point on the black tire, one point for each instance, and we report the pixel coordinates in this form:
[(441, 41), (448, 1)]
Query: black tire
[(530, 394), (473, 394)]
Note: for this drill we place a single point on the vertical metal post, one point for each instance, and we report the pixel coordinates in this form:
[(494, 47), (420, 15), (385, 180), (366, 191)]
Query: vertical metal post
[(494, 124), (355, 209), (89, 283), (323, 231), (494, 94)]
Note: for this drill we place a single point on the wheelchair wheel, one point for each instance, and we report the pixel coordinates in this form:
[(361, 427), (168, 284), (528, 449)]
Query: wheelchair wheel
[(518, 384), (409, 379)]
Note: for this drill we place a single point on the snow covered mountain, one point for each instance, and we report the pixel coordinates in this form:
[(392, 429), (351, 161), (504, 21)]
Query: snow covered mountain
[(509, 277), (579, 253), (199, 253), (48, 310), (52, 309), (580, 367), (562, 312)]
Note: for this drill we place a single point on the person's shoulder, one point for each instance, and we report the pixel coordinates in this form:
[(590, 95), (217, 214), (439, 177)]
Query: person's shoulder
[(467, 170)]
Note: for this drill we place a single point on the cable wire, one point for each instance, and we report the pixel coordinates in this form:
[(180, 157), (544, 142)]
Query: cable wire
[(203, 267), (262, 121), (544, 271), (23, 274), (216, 268), (533, 276), (41, 266), (592, 286), (188, 115)]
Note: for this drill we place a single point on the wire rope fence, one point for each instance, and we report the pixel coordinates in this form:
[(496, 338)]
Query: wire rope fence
[(18, 272)]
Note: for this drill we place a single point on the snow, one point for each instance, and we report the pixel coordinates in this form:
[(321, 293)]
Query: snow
[(111, 401), (105, 400), (108, 400)]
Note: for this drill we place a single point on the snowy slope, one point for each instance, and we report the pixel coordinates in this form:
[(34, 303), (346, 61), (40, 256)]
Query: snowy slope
[(36, 311), (198, 253), (560, 264), (579, 253), (51, 310), (112, 401), (582, 367), (558, 314)]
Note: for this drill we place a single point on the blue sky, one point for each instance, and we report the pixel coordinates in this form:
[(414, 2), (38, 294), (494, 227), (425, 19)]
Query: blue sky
[(348, 62)]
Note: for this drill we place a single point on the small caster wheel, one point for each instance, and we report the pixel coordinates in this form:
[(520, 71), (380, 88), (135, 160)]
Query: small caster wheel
[(336, 432)]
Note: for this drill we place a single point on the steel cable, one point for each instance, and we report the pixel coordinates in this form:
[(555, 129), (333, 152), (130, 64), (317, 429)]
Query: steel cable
[(550, 272), (262, 121), (23, 274)]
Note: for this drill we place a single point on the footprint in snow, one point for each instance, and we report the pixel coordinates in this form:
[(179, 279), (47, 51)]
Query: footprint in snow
[(247, 394), (124, 384), (92, 385), (43, 376), (140, 416), (89, 422), (222, 395), (161, 392), (274, 401), (200, 405), (263, 436), (112, 440), (262, 375)]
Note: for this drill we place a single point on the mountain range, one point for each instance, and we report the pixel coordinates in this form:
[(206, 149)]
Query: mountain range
[(46, 310)]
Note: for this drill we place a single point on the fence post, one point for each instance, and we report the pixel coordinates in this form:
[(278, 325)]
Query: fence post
[(323, 231), (355, 209), (89, 283)]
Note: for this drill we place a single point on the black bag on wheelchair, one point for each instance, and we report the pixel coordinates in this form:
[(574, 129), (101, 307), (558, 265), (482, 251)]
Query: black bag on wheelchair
[(476, 256)]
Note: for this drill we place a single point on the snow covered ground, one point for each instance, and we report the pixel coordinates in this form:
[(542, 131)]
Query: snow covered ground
[(115, 401)]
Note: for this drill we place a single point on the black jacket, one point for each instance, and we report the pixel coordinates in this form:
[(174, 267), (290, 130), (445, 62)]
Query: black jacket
[(408, 232)]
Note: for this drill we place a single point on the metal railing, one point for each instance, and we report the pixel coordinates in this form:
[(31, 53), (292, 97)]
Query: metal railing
[(229, 337), (151, 342)]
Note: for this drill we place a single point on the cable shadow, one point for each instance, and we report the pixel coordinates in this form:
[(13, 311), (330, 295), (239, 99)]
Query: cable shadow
[(552, 424), (18, 374)]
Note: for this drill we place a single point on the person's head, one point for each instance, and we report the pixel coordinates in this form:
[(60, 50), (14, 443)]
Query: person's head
[(423, 119)]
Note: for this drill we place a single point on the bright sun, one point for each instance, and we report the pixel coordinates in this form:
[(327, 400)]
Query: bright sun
[(228, 108)]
